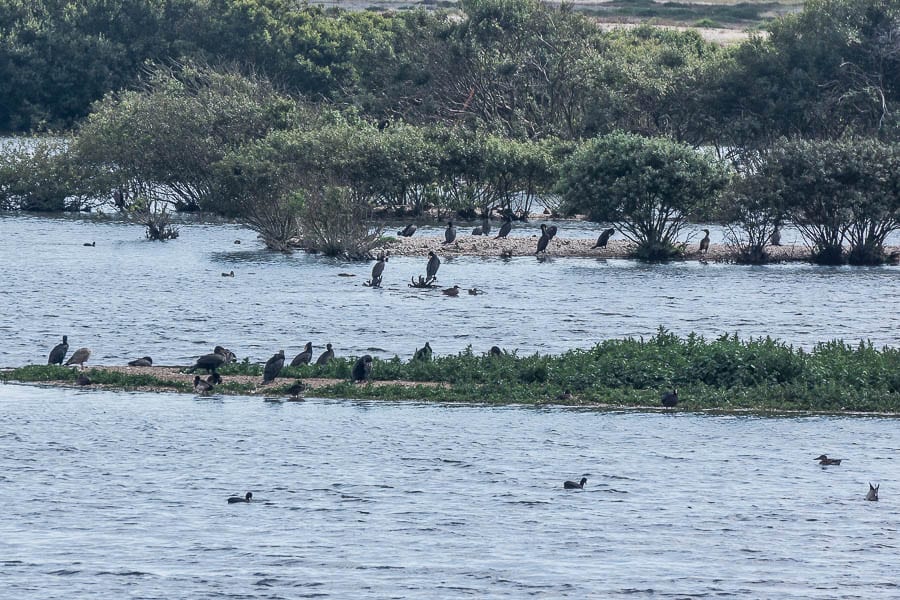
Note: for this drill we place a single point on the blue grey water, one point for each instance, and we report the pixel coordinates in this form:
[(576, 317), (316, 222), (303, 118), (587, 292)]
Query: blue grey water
[(115, 495), (128, 297)]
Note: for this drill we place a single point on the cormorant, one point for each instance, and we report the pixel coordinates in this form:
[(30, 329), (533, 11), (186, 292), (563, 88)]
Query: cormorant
[(505, 228), (704, 243), (824, 460), (83, 380), (551, 231), (423, 353), (79, 357), (407, 231), (59, 352), (201, 386), (571, 485), (543, 241), (141, 362), (273, 367), (236, 499), (449, 233), (451, 291), (325, 356), (210, 362), (297, 388), (362, 370), (304, 357), (670, 399), (378, 268), (434, 264), (495, 351), (604, 238), (873, 492)]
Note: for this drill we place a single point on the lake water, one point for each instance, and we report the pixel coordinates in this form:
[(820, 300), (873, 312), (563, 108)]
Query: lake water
[(123, 495), (127, 297)]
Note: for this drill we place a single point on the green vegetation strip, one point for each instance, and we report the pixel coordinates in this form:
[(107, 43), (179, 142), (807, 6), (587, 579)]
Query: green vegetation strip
[(722, 374)]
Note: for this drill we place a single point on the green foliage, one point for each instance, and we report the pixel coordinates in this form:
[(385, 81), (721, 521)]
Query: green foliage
[(645, 187)]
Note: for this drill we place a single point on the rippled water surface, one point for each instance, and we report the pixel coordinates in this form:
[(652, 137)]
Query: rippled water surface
[(114, 495), (128, 297)]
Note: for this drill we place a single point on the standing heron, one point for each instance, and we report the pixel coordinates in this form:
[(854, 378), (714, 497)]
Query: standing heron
[(362, 370), (604, 238), (304, 357), (450, 233), (434, 264), (543, 241), (79, 357), (326, 356), (704, 243), (273, 367), (505, 228), (59, 352)]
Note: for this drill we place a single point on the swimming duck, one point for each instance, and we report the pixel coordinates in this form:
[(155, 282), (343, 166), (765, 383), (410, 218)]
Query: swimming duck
[(474, 291), (59, 352), (236, 499), (297, 388), (83, 380), (201, 386), (452, 291), (79, 357), (571, 485), (141, 362), (824, 460), (304, 357), (91, 244), (229, 274), (325, 356), (273, 367)]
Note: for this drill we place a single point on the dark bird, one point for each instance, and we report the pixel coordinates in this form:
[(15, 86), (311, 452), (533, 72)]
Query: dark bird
[(495, 351), (571, 485), (297, 388), (209, 362), (551, 231), (362, 370), (775, 239), (236, 499), (90, 244), (237, 241), (434, 263), (214, 378), (873, 492), (325, 356), (141, 362), (407, 231), (304, 357), (670, 399), (201, 386), (423, 353), (230, 274), (824, 460), (506, 254), (604, 238), (450, 233), (83, 380), (79, 357), (565, 396), (378, 268), (474, 291), (477, 230), (543, 241), (505, 228), (451, 291), (228, 354), (704, 243), (485, 226), (59, 352), (273, 367)]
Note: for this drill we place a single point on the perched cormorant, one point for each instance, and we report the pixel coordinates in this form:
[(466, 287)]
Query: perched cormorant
[(141, 362), (83, 380), (824, 460), (423, 353), (297, 388), (325, 356), (873, 492), (407, 231), (450, 233), (571, 485), (496, 351), (604, 238), (273, 367), (236, 499), (210, 362), (79, 357), (434, 264), (304, 357), (59, 352), (451, 291), (378, 268), (362, 370), (704, 243), (543, 241), (670, 399), (505, 228), (201, 386)]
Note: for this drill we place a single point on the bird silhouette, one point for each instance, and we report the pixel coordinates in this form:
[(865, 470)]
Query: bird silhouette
[(141, 362), (704, 243), (59, 352), (326, 356), (604, 238), (273, 367), (236, 499), (434, 263), (505, 228), (670, 399), (362, 370), (304, 357), (79, 357), (449, 233), (571, 485)]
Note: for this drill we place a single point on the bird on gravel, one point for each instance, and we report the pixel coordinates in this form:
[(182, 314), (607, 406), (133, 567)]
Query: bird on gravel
[(604, 238), (79, 357), (59, 352), (362, 370), (304, 357), (141, 362), (273, 367), (201, 386)]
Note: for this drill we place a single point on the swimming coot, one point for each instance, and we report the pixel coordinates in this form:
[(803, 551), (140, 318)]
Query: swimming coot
[(236, 499)]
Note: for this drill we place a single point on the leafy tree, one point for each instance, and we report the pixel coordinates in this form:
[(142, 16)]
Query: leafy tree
[(645, 187)]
